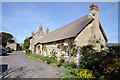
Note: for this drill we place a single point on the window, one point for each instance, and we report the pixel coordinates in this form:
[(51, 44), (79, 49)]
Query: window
[(40, 34), (53, 44), (65, 42), (38, 47)]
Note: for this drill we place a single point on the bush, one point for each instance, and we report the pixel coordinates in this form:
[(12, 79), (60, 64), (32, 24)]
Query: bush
[(114, 49), (68, 75), (104, 64), (28, 52), (78, 74), (51, 60), (72, 65), (111, 67), (59, 64), (89, 61), (48, 62), (84, 73)]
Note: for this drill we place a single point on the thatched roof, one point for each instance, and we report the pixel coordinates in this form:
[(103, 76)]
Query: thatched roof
[(67, 31), (70, 30)]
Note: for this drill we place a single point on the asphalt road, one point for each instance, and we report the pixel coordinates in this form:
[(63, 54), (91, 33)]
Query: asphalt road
[(20, 66)]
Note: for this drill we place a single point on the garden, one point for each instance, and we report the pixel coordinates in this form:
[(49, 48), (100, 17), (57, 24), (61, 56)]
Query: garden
[(103, 65)]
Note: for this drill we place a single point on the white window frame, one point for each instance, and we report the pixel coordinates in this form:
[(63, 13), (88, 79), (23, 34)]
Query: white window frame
[(65, 42)]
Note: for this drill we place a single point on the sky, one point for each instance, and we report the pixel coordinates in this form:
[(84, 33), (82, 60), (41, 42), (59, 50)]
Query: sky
[(21, 18)]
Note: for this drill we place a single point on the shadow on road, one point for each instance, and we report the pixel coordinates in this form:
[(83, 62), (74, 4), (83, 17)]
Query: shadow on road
[(14, 73), (3, 68)]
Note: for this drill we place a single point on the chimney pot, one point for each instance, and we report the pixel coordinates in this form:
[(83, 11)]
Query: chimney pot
[(93, 7), (40, 28), (32, 33), (47, 30)]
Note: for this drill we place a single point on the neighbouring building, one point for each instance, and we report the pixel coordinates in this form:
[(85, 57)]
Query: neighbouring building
[(36, 37), (83, 31), (13, 46)]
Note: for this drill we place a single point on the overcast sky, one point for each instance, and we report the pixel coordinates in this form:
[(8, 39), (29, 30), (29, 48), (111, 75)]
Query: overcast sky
[(20, 19)]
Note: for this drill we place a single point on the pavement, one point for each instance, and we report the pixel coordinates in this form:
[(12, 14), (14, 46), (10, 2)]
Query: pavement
[(18, 65)]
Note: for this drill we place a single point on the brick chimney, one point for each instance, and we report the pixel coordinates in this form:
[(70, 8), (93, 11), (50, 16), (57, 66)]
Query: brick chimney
[(40, 28), (93, 7), (95, 12), (47, 30), (32, 33)]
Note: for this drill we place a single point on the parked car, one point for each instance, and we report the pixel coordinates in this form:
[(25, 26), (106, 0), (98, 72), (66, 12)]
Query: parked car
[(3, 52), (8, 50)]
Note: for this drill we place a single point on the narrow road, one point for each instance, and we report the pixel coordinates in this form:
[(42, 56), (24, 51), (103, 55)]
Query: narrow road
[(20, 66)]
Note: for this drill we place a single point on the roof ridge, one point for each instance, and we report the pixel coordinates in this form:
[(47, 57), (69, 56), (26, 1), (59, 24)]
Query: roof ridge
[(68, 24)]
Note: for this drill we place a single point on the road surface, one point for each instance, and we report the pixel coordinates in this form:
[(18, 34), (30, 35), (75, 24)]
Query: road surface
[(20, 66)]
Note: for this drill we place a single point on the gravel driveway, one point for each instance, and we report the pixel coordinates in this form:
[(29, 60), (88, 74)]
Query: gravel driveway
[(20, 66)]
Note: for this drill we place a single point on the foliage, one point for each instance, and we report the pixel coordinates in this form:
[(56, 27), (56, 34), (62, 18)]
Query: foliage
[(48, 59), (4, 38), (72, 65), (53, 53), (85, 50), (44, 48), (84, 73), (89, 59), (111, 66), (66, 64), (78, 74), (26, 44), (28, 52), (70, 48), (114, 49), (105, 64), (68, 75)]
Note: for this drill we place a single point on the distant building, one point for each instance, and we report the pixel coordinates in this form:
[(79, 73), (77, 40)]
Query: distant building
[(13, 46)]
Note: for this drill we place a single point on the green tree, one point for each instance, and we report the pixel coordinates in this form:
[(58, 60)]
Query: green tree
[(5, 37), (26, 44)]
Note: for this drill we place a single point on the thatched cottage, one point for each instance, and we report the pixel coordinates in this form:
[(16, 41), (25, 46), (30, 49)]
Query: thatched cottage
[(83, 31)]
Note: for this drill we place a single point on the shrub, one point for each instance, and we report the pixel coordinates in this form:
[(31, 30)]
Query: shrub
[(44, 58), (51, 60), (84, 73), (59, 64), (114, 49), (111, 68), (105, 64), (89, 61), (48, 62), (68, 75), (28, 52), (72, 65), (36, 56), (111, 65)]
